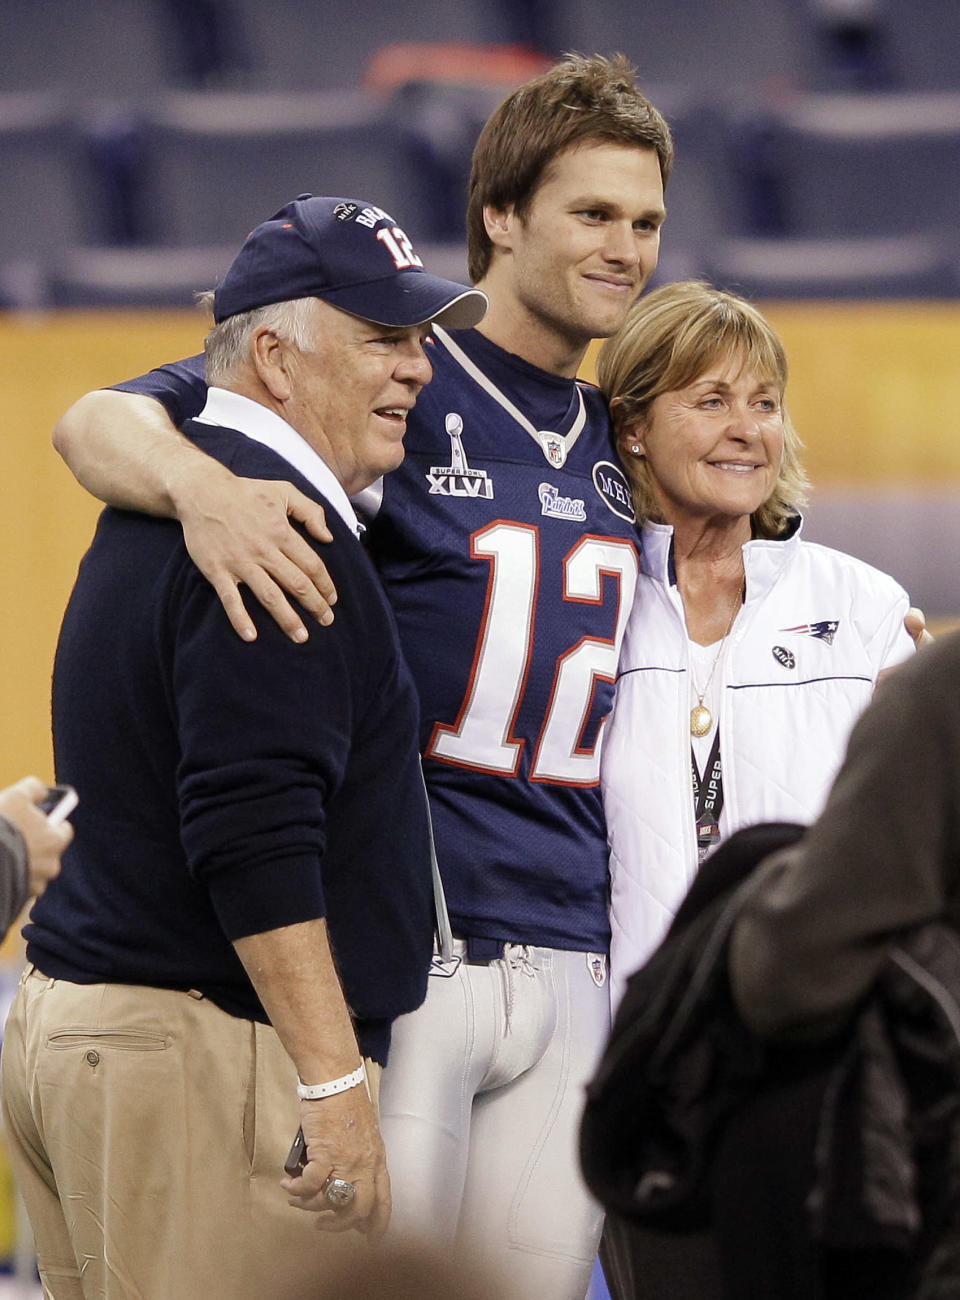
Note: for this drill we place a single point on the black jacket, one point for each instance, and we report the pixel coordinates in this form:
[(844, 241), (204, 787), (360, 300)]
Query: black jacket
[(680, 1060)]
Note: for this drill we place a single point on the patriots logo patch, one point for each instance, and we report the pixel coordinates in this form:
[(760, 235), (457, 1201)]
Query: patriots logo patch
[(825, 630), (558, 507)]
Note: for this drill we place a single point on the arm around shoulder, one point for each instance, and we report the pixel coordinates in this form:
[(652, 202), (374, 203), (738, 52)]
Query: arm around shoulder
[(124, 449)]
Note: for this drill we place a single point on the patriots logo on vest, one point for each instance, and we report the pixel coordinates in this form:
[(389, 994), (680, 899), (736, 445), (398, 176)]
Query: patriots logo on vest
[(457, 479), (825, 630)]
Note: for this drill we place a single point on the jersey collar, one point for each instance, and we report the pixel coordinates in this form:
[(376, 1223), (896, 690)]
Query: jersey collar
[(555, 445)]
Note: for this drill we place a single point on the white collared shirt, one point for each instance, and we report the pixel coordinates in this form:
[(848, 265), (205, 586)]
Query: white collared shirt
[(233, 411)]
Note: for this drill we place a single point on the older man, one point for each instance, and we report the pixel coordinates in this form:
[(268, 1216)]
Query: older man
[(249, 896)]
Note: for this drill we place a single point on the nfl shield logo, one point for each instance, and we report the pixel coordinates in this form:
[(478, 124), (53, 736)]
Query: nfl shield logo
[(554, 448), (597, 966)]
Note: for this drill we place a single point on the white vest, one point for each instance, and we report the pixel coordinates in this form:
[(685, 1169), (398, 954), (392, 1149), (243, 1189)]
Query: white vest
[(801, 662)]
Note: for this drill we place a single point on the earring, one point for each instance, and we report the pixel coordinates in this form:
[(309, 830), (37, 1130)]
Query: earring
[(635, 448)]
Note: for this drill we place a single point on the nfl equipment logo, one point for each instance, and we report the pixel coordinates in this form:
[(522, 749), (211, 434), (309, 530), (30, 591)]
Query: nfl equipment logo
[(554, 448), (597, 966)]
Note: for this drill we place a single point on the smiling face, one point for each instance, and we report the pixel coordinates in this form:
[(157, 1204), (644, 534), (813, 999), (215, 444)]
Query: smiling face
[(713, 449), (569, 268), (352, 390)]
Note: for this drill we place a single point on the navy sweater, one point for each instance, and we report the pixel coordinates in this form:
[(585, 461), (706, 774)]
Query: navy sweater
[(230, 788)]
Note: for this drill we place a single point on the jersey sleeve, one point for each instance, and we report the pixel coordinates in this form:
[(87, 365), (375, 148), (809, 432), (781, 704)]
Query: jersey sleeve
[(180, 387)]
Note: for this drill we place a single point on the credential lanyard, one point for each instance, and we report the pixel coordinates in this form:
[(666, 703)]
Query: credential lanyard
[(707, 798)]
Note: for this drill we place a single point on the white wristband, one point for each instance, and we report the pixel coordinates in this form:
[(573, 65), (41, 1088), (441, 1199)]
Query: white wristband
[(314, 1091)]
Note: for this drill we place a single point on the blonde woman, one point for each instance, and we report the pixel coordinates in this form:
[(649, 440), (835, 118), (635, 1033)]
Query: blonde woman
[(750, 652)]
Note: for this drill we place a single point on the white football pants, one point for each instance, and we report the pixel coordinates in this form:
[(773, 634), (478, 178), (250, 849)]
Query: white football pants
[(480, 1109)]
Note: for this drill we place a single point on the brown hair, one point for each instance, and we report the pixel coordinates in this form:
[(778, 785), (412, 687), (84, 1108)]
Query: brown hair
[(669, 339), (577, 100)]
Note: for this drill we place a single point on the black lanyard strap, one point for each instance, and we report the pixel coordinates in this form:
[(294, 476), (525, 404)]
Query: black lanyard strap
[(707, 798)]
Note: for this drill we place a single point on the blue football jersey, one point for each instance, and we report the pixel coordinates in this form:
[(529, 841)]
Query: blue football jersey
[(507, 546)]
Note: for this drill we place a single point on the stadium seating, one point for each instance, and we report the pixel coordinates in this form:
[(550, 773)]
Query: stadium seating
[(922, 42), (44, 163), (855, 165), (134, 277), (906, 266), (109, 48), (303, 45), (179, 124), (216, 163)]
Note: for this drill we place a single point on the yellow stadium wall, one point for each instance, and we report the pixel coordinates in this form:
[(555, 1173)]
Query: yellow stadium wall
[(46, 521), (875, 392)]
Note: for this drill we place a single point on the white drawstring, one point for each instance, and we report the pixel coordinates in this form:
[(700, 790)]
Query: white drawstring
[(516, 957)]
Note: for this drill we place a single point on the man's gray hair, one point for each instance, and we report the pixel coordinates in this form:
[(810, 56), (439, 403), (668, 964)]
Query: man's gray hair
[(227, 346)]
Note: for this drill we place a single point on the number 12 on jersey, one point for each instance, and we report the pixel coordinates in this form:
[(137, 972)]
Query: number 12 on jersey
[(482, 737)]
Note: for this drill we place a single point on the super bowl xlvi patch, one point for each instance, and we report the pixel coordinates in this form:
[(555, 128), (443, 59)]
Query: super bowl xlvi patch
[(611, 483), (457, 479), (597, 966), (825, 630), (444, 967), (555, 506), (784, 657)]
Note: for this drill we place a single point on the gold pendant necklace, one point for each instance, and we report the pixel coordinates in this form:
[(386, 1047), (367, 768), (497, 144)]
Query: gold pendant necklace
[(701, 719)]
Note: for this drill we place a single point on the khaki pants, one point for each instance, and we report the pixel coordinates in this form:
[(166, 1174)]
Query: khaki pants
[(147, 1130)]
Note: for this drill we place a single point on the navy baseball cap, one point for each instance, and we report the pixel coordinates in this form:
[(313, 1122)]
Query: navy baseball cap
[(351, 254)]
